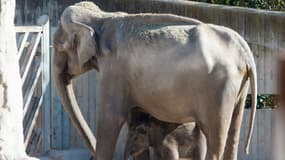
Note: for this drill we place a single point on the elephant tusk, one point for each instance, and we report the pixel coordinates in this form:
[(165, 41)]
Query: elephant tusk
[(66, 93)]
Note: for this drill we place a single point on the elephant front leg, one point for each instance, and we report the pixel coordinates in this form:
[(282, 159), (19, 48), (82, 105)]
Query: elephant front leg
[(107, 134), (111, 115)]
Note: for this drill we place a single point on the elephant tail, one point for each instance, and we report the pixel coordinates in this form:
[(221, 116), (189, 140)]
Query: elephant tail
[(253, 84)]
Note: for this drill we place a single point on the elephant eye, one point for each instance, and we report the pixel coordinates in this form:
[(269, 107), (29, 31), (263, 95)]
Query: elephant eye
[(141, 130)]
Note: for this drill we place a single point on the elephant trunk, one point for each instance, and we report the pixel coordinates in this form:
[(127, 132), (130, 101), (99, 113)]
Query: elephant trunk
[(66, 94)]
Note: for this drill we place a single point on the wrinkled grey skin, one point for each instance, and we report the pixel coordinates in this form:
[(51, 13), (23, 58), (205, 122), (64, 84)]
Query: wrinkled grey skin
[(151, 60), (170, 141)]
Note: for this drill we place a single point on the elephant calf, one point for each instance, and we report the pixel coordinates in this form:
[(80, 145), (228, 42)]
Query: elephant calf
[(169, 141)]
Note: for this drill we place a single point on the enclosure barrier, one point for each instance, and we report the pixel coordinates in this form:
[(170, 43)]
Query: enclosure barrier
[(34, 60)]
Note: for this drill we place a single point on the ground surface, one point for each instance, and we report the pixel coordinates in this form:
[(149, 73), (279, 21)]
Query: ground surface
[(72, 154)]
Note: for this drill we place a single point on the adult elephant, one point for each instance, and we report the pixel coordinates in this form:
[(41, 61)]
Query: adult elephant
[(156, 62)]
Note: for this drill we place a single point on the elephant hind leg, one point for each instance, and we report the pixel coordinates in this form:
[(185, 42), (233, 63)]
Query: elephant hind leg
[(216, 142), (231, 149), (216, 132), (233, 135)]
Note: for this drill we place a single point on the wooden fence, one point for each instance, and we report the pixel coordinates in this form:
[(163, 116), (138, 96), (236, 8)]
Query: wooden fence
[(33, 55)]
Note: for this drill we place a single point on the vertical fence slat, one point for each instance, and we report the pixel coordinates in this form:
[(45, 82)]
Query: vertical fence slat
[(255, 22), (46, 86), (260, 135), (84, 103), (271, 39), (66, 131), (56, 109), (78, 93), (270, 127), (92, 82)]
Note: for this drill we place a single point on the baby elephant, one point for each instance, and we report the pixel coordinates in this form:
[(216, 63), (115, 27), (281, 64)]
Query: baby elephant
[(169, 141)]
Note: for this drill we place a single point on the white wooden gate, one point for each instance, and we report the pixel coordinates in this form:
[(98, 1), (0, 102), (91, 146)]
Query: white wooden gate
[(34, 60)]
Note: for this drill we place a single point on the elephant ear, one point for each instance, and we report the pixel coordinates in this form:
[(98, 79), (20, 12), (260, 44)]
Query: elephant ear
[(86, 47), (84, 40)]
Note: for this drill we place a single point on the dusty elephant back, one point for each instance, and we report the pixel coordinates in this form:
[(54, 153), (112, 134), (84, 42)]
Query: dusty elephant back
[(193, 68)]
